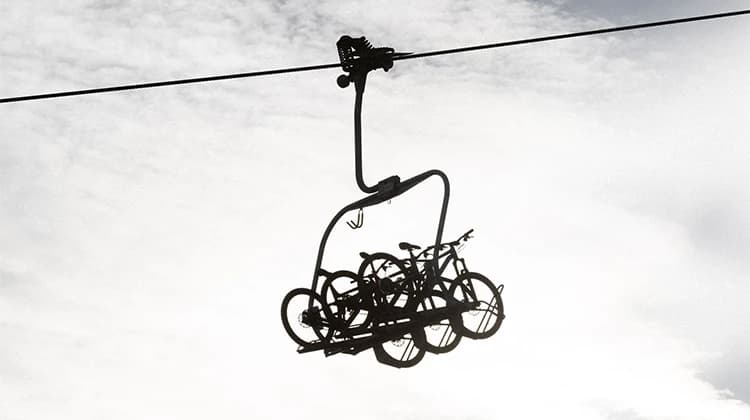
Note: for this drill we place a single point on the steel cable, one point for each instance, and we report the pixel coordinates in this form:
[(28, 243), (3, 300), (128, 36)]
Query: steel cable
[(337, 65)]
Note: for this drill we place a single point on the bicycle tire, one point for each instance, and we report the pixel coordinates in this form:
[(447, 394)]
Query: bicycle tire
[(393, 291), (322, 333), (444, 336), (344, 301), (387, 354), (472, 287)]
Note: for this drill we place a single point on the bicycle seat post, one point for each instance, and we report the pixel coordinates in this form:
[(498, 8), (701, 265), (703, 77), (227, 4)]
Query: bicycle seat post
[(412, 258)]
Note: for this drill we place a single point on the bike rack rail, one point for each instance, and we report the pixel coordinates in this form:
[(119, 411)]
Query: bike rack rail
[(358, 58), (400, 324)]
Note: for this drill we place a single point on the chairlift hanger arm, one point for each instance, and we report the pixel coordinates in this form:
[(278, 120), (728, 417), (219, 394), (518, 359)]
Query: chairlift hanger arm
[(358, 57), (359, 85)]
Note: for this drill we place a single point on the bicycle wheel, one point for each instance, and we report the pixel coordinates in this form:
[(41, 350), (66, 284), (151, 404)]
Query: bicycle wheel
[(400, 353), (340, 293), (440, 336), (393, 289), (484, 320), (304, 324)]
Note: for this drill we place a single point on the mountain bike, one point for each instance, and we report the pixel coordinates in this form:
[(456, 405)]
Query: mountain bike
[(413, 285)]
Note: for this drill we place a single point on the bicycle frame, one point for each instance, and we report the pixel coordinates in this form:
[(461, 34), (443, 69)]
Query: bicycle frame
[(447, 257), (451, 256)]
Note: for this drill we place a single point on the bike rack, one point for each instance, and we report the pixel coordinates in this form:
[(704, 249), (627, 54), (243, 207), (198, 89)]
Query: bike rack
[(363, 342), (358, 58)]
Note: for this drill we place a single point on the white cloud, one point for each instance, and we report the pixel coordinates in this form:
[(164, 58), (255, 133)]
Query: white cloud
[(148, 237)]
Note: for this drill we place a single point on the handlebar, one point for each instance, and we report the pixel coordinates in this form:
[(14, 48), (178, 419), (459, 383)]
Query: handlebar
[(466, 236), (463, 238)]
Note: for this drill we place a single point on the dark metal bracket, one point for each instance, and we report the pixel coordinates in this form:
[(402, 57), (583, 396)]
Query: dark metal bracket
[(360, 220)]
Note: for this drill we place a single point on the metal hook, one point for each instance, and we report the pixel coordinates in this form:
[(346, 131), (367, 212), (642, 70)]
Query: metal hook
[(360, 220)]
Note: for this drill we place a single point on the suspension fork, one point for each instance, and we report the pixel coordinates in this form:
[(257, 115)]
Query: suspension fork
[(459, 265)]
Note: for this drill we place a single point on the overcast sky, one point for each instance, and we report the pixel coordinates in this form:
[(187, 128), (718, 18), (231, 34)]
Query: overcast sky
[(148, 237)]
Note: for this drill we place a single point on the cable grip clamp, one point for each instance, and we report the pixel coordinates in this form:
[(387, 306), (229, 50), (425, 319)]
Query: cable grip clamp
[(358, 57)]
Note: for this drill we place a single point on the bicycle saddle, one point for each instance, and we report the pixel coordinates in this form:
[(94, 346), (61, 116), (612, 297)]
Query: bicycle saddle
[(407, 246)]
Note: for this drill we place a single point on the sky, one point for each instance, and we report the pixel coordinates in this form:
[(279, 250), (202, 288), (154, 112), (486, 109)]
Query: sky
[(147, 238)]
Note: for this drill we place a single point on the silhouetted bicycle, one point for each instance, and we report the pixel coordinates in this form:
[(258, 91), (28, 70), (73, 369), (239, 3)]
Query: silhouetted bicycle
[(486, 318), (412, 285)]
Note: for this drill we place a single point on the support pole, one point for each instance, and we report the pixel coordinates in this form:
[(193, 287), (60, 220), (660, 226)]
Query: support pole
[(359, 84)]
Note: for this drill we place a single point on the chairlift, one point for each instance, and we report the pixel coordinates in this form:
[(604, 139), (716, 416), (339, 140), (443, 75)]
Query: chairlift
[(401, 308)]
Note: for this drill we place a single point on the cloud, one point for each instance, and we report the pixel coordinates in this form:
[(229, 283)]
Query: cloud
[(148, 237)]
